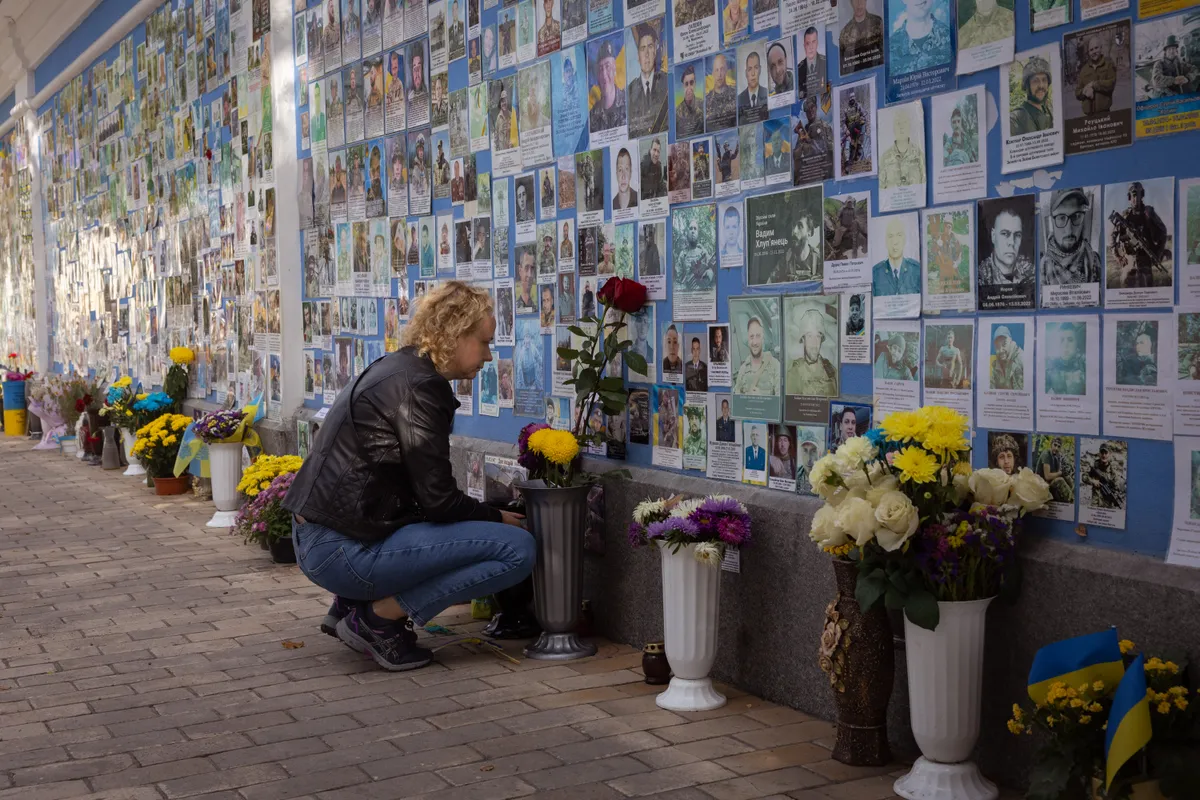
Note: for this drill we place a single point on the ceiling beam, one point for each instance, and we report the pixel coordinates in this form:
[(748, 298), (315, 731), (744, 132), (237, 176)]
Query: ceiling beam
[(42, 28)]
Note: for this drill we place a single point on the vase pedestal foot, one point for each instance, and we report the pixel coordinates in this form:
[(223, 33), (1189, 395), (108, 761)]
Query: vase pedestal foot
[(222, 519), (559, 647), (861, 745), (135, 471), (690, 695), (929, 780)]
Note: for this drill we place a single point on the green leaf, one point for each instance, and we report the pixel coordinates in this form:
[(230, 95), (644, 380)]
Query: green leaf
[(869, 587), (636, 362), (568, 353), (1049, 777), (612, 384), (922, 609), (893, 598), (578, 331)]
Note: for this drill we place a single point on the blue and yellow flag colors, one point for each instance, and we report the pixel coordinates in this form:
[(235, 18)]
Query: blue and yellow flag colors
[(1129, 719), (1083, 659), (193, 452)]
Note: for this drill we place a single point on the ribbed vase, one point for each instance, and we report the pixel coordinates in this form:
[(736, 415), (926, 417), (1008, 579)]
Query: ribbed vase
[(557, 518), (945, 686), (225, 472), (135, 469), (691, 600)]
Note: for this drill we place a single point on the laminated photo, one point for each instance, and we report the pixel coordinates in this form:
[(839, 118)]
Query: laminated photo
[(732, 237), (1071, 263), (689, 103), (1068, 386), (752, 104), (986, 34), (607, 110), (1053, 460), (624, 200), (720, 92), (901, 157), (1032, 124), (754, 456), (860, 35), (812, 68), (960, 146), (778, 162), (694, 24), (1103, 482), (757, 337), (1139, 375), (813, 146), (1006, 275), (1166, 82), (719, 372), (727, 158), (847, 220), (920, 48), (1098, 76), (781, 76), (856, 327), (694, 262), (1139, 261), (896, 272), (652, 176), (811, 357), (647, 92), (735, 21), (724, 440), (896, 371), (784, 238), (854, 109), (949, 369), (949, 259), (651, 249)]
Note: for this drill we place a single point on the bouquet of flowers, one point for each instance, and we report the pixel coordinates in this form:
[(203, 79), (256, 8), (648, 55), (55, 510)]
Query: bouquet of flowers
[(264, 519), (904, 502), (12, 373), (175, 383), (602, 345), (1073, 721), (265, 469), (711, 523), (75, 396), (221, 426), (157, 444), (118, 404), (148, 406)]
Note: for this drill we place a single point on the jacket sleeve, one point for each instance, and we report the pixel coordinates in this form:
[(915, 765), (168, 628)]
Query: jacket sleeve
[(422, 425)]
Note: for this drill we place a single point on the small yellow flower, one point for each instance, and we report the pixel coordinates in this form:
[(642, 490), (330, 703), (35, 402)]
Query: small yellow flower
[(1085, 719), (1015, 727), (1097, 687), (1095, 708), (559, 447), (1018, 714), (1076, 703), (915, 465), (1126, 647), (1163, 708)]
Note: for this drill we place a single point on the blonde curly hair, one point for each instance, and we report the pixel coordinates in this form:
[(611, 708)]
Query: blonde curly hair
[(443, 316)]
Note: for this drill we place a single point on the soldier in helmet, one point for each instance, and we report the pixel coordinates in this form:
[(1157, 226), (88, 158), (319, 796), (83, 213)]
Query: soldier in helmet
[(1172, 75), (811, 373), (609, 110), (1140, 242), (1036, 113)]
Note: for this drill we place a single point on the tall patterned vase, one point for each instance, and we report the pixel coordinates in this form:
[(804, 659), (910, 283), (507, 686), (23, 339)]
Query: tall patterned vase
[(945, 683), (691, 600), (858, 655)]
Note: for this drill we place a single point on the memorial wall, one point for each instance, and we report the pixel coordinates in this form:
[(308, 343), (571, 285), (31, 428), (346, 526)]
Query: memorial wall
[(839, 211)]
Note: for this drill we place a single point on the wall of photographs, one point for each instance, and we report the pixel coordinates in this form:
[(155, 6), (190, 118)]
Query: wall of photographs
[(17, 330), (958, 184)]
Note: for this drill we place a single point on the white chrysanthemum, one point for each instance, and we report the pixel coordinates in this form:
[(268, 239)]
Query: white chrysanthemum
[(857, 451), (820, 473), (685, 507), (647, 509), (709, 553)]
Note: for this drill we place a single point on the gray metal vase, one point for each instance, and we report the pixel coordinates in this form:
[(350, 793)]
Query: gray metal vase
[(557, 519)]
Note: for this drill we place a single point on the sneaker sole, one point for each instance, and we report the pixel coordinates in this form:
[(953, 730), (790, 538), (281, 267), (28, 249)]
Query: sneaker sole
[(358, 643), (329, 625)]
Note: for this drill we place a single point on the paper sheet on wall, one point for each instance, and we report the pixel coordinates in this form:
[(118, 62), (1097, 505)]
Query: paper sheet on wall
[(1185, 531), (1139, 375), (959, 145), (724, 440), (1068, 387), (896, 371), (1187, 388), (949, 348), (1103, 482), (1004, 372), (856, 326)]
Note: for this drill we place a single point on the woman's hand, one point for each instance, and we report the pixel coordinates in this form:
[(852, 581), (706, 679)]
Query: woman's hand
[(510, 518)]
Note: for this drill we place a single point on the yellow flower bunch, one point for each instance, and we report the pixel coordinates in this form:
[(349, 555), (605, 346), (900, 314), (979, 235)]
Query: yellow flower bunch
[(1156, 664), (915, 464), (258, 476), (157, 443), (557, 447), (182, 355), (123, 381), (938, 429)]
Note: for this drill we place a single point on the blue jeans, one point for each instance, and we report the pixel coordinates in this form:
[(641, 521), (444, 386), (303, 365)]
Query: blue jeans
[(427, 567)]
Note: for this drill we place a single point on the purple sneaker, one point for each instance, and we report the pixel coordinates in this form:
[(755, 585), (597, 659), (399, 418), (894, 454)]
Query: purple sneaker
[(393, 647)]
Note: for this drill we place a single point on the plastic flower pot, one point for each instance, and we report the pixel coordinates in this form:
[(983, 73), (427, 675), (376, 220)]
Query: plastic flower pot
[(169, 486), (283, 550), (135, 469), (15, 415)]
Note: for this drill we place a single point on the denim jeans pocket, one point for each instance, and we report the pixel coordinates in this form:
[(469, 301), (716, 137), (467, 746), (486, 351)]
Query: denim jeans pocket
[(331, 570)]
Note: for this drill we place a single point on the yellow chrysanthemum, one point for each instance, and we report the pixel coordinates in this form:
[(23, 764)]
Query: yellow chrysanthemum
[(1126, 647), (140, 396), (904, 426), (182, 355), (915, 465), (123, 381), (945, 442), (963, 468), (558, 447), (1085, 719)]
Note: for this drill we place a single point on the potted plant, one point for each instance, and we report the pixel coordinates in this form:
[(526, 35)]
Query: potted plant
[(1074, 722), (175, 383), (265, 521), (692, 536), (937, 539), (15, 409), (146, 407), (224, 432), (557, 492), (157, 446)]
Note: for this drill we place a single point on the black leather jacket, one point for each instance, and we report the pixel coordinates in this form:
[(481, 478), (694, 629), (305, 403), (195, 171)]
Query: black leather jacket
[(382, 458)]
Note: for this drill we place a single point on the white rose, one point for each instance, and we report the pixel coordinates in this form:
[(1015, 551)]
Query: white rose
[(856, 518), (1029, 491), (899, 519), (880, 486), (825, 531), (990, 486)]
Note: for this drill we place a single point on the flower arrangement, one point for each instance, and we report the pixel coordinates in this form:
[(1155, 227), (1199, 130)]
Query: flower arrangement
[(175, 382), (1073, 721), (75, 396), (548, 454), (904, 502), (118, 404), (157, 444), (265, 469), (711, 523), (221, 426), (264, 519), (602, 344), (148, 406), (17, 374)]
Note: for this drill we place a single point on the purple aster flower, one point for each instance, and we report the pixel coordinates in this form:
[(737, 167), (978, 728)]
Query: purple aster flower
[(672, 525), (636, 534), (720, 505), (734, 530)]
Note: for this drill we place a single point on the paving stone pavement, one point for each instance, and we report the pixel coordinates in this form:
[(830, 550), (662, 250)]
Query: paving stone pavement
[(142, 657)]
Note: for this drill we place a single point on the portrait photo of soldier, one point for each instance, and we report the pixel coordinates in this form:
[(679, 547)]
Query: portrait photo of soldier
[(1054, 462), (811, 345), (752, 90), (846, 421), (689, 99), (948, 240), (1066, 358), (1070, 237), (1004, 246), (1006, 359), (902, 140), (549, 29), (1103, 474), (782, 462), (1030, 96), (949, 356), (756, 344), (1137, 352), (647, 92), (918, 35), (812, 152), (860, 40), (784, 237), (897, 272), (720, 102), (811, 67), (1189, 346), (856, 131), (781, 77), (694, 248), (1008, 451), (639, 416), (608, 110), (685, 12), (1139, 237), (1098, 87), (846, 227), (960, 145), (988, 21), (1172, 73), (896, 355)]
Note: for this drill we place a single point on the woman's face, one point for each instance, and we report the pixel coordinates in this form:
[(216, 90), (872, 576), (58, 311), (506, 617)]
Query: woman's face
[(474, 350)]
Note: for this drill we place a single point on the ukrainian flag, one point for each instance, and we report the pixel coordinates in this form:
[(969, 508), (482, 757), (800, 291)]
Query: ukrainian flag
[(1129, 719), (193, 452), (1083, 659)]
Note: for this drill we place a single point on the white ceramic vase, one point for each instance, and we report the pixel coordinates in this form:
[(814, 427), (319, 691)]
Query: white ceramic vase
[(135, 468), (945, 684), (691, 594), (225, 471)]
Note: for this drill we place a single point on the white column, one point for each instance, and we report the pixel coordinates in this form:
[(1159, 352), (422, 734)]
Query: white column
[(25, 91), (287, 209)]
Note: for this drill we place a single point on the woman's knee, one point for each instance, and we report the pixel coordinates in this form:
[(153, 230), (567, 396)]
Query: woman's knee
[(523, 547)]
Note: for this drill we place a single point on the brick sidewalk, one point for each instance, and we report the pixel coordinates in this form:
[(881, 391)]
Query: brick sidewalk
[(142, 658)]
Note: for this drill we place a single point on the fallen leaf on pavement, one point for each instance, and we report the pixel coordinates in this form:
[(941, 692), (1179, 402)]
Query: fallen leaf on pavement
[(290, 645)]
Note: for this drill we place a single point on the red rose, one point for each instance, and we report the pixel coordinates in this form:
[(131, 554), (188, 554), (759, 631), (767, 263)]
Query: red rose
[(80, 406), (623, 294)]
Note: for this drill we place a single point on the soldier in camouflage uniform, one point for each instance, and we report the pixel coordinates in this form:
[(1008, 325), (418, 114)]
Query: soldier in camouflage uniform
[(1036, 113), (689, 113), (759, 373), (860, 35), (902, 164), (989, 23), (1140, 244), (609, 110), (1097, 79), (1172, 75), (812, 373), (721, 103)]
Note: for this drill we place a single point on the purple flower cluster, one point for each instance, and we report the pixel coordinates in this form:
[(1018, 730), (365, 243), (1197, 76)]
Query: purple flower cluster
[(670, 525), (722, 518), (528, 459), (264, 517), (218, 425), (967, 553)]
